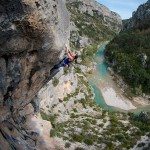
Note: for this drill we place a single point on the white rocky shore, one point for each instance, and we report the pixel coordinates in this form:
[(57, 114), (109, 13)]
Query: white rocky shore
[(114, 94), (113, 88), (113, 99)]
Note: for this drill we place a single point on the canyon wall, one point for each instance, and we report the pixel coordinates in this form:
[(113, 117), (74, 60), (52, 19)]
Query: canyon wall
[(32, 38)]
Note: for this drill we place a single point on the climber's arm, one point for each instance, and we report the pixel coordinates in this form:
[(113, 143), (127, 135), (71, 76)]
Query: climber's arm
[(69, 53)]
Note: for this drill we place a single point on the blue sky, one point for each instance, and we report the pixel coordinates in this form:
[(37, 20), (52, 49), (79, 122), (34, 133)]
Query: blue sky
[(123, 7)]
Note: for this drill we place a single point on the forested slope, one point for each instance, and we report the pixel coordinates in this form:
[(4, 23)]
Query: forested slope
[(129, 55), (129, 52)]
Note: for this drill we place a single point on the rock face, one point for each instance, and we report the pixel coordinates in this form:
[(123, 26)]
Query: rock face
[(32, 37), (140, 18), (91, 22), (92, 7)]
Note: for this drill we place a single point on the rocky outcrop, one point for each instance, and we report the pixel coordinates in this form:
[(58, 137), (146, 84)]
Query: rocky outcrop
[(140, 18), (32, 37), (92, 7), (91, 22)]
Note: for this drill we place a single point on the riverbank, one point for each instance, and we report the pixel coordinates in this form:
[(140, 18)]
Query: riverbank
[(114, 97), (111, 93)]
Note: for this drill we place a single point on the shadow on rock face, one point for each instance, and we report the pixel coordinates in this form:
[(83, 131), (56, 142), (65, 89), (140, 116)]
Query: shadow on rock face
[(32, 37)]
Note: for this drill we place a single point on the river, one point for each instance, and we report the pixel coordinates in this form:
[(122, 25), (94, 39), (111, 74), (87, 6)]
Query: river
[(101, 80)]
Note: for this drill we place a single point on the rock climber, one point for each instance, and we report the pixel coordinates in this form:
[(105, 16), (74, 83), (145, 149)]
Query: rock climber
[(69, 58)]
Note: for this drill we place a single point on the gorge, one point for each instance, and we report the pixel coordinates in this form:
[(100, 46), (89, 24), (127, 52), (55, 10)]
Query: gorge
[(59, 113)]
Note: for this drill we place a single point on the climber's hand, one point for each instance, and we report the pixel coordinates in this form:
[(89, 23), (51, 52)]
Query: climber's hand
[(66, 48)]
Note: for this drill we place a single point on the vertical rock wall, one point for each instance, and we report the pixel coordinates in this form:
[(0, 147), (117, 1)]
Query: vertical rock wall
[(32, 38)]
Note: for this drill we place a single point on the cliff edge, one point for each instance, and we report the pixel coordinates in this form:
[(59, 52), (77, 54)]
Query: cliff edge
[(32, 37)]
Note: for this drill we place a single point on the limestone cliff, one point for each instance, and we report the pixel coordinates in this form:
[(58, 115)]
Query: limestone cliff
[(92, 7), (32, 37), (140, 18), (92, 22)]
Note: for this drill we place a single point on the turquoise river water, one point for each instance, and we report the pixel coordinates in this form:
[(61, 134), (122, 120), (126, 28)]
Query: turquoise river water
[(103, 74)]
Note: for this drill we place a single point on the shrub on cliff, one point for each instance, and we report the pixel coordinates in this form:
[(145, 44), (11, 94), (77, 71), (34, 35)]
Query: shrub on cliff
[(55, 81)]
